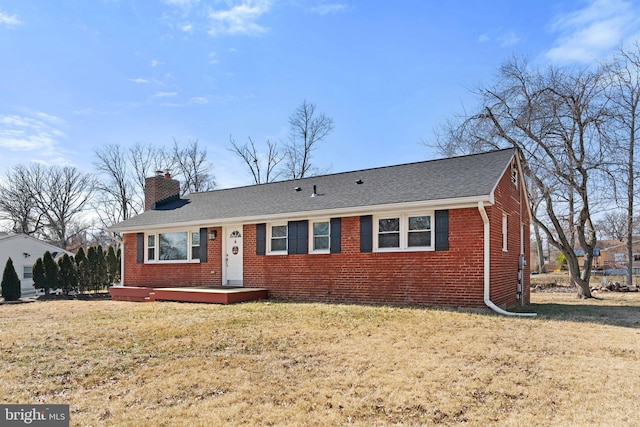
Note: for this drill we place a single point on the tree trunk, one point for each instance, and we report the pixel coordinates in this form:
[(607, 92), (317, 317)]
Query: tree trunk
[(630, 191), (539, 248), (583, 289)]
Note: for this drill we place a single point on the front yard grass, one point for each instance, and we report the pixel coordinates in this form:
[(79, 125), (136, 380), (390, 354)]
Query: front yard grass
[(277, 363)]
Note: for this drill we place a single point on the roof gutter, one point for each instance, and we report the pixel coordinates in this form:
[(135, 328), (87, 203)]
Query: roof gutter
[(487, 264)]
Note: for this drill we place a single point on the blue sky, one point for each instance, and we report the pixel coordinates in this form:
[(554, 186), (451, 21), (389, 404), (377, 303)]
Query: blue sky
[(79, 74)]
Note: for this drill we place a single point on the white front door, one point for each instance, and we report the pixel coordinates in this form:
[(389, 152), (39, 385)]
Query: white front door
[(232, 256)]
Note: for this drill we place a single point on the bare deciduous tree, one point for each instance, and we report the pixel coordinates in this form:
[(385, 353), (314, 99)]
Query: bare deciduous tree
[(307, 129), (17, 204), (614, 225), (192, 167), (61, 194), (56, 197), (624, 98), (261, 166), (144, 160), (116, 193), (555, 117)]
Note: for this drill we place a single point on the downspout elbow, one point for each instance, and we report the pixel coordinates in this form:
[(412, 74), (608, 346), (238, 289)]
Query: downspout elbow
[(487, 271)]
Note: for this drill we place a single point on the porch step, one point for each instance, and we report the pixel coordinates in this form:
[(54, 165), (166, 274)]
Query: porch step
[(215, 295), (210, 295)]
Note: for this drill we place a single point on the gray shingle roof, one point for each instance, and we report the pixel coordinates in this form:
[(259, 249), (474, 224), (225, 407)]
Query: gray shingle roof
[(452, 178)]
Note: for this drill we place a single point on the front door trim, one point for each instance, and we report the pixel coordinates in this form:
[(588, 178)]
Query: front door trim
[(232, 255)]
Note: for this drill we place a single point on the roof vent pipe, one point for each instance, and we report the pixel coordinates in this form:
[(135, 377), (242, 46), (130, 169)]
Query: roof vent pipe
[(315, 193)]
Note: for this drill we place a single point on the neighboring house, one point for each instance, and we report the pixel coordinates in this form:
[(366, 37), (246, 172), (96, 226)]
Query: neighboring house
[(450, 232), (24, 250), (612, 254)]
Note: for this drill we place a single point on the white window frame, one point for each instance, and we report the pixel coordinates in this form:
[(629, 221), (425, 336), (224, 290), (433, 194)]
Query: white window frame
[(24, 273), (312, 249), (156, 251), (404, 231), (270, 226), (505, 228), (191, 245)]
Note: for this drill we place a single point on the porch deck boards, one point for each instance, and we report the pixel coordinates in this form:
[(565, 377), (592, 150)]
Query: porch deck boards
[(211, 295)]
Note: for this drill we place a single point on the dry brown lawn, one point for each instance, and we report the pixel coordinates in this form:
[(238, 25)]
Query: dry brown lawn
[(173, 364)]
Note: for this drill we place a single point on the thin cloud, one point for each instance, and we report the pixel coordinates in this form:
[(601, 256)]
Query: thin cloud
[(34, 133), (330, 8), (182, 2), (154, 63), (239, 19), (200, 100), (508, 39), (165, 94), (589, 33), (139, 81), (9, 20), (483, 38)]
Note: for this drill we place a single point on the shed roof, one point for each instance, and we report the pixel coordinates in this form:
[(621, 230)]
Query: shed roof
[(457, 178)]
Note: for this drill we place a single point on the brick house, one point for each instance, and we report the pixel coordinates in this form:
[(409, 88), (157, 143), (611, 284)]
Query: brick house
[(450, 232)]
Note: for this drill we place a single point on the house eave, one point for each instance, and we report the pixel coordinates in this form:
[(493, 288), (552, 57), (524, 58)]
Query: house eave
[(453, 203)]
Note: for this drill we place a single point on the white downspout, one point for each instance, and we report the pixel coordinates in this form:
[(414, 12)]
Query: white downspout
[(487, 264), (122, 262)]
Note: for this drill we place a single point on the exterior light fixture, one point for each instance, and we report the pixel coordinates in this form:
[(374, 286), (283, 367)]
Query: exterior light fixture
[(212, 234)]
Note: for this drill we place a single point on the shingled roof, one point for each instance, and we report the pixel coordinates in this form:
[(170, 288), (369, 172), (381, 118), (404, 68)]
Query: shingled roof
[(471, 177)]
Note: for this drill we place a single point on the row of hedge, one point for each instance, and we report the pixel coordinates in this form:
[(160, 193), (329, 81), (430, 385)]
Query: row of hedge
[(94, 270)]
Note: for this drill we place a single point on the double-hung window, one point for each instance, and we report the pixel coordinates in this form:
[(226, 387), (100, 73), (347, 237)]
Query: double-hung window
[(321, 236), (195, 245), (389, 232), (278, 239), (419, 233), (403, 232), (151, 247)]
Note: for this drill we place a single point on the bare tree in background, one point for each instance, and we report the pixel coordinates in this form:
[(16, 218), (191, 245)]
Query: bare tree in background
[(555, 117), (144, 160), (307, 129), (614, 225), (116, 192), (191, 165), (624, 98), (121, 177), (261, 166), (59, 196), (122, 174), (17, 204)]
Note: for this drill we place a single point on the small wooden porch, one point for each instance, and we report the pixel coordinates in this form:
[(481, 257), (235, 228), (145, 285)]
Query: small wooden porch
[(201, 294)]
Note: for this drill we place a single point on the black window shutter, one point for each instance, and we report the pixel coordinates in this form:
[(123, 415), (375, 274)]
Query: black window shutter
[(140, 248), (298, 237), (366, 233), (203, 245), (335, 235), (442, 230), (261, 238)]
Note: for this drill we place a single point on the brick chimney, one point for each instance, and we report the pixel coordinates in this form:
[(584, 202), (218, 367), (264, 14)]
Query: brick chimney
[(160, 188)]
